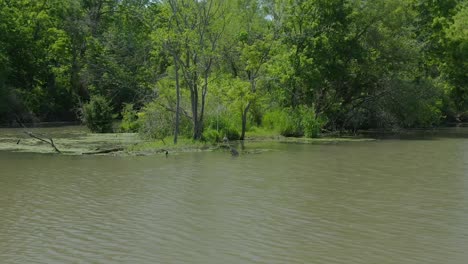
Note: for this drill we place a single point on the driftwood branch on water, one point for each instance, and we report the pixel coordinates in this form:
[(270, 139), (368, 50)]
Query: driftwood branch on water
[(103, 151), (50, 141)]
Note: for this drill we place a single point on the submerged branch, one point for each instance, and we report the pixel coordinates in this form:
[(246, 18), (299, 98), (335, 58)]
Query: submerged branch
[(50, 141)]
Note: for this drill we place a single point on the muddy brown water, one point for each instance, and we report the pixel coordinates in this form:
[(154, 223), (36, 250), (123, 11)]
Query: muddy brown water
[(387, 201)]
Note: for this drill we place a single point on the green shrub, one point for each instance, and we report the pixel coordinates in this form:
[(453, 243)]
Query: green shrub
[(231, 133), (218, 122), (297, 122), (211, 136), (155, 122), (224, 124), (310, 123), (129, 119), (414, 104), (185, 126), (285, 122), (98, 115), (272, 119), (291, 125)]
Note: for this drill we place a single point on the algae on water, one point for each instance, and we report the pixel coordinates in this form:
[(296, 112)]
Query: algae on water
[(76, 140)]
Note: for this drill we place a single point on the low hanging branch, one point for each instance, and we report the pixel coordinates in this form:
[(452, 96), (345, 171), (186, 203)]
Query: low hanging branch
[(50, 141)]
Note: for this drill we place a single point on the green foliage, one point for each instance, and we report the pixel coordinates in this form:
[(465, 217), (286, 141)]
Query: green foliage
[(339, 65), (285, 121), (455, 59), (129, 119), (231, 133), (289, 122), (98, 115), (311, 124), (416, 104), (212, 136), (224, 124), (155, 122)]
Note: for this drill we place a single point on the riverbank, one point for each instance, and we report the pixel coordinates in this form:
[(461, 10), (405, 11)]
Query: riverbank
[(76, 140)]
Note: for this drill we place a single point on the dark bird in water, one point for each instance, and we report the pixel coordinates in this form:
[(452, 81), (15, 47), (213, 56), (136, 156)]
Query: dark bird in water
[(17, 142), (233, 151), (167, 153)]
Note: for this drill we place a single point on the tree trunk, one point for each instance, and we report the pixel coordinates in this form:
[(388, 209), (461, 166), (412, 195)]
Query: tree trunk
[(177, 119), (244, 121), (194, 102), (202, 108), (253, 89)]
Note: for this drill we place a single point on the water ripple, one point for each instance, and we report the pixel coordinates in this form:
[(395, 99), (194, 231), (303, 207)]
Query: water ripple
[(373, 202)]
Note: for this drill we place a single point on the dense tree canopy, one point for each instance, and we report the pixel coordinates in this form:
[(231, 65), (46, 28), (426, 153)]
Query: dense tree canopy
[(231, 66)]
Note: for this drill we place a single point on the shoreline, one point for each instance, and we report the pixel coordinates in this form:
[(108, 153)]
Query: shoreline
[(77, 140), (130, 144)]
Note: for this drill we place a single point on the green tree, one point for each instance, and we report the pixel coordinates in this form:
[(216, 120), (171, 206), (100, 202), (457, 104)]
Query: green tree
[(98, 115), (246, 51), (455, 66), (198, 26)]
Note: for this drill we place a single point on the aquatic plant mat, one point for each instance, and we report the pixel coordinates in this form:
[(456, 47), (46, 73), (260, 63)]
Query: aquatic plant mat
[(69, 140), (77, 140)]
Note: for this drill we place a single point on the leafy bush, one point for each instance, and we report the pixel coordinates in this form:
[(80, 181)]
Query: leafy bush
[(289, 122), (224, 124), (185, 126), (291, 125), (231, 133), (271, 120), (98, 115), (155, 122), (310, 123), (414, 104), (211, 136), (129, 119), (285, 122)]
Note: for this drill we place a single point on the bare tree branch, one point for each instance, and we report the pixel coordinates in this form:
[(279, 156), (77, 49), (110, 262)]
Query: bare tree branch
[(50, 141)]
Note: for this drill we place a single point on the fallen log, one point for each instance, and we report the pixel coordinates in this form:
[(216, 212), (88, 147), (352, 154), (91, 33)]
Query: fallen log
[(104, 151), (50, 141)]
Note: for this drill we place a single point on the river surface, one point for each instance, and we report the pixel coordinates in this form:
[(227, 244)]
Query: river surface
[(386, 201)]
